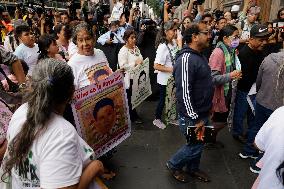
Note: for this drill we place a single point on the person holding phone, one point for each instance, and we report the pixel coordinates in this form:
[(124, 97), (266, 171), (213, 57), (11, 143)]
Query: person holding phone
[(114, 35)]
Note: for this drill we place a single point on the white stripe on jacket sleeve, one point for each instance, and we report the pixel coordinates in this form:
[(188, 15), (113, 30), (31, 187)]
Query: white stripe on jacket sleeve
[(186, 96)]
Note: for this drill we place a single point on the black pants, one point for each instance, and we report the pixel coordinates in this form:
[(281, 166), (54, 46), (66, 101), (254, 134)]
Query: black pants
[(161, 104), (133, 113)]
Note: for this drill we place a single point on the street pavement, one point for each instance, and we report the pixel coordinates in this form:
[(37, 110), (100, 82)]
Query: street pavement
[(140, 160)]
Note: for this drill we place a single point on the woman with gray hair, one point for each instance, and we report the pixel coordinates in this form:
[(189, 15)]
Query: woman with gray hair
[(87, 56), (44, 150)]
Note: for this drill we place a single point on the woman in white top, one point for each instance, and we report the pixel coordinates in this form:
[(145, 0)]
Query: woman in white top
[(44, 150), (87, 56), (163, 64), (129, 56)]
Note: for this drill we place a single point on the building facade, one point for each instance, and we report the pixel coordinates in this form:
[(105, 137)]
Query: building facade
[(269, 8)]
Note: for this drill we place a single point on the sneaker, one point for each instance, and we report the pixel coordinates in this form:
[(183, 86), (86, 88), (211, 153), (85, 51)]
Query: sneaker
[(158, 123), (255, 169), (244, 155), (174, 122)]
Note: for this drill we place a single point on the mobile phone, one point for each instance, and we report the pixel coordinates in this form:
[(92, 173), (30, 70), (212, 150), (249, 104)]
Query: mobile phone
[(111, 36)]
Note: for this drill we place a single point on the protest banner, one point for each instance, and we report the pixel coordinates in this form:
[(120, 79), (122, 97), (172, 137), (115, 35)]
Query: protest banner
[(141, 87), (98, 72), (101, 113), (170, 101)]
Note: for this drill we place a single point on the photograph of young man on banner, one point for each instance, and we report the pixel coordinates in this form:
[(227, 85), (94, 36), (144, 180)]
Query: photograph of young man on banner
[(101, 113), (141, 88), (170, 101), (98, 72)]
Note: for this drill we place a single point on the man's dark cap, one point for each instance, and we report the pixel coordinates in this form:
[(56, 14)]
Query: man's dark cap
[(259, 31)]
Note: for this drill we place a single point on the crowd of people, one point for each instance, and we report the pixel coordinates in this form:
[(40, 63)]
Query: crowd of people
[(228, 67)]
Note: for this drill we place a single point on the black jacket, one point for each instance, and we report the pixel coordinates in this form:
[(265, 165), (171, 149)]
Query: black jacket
[(194, 86), (250, 61)]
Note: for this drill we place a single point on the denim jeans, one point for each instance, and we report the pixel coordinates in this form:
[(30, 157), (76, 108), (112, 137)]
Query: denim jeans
[(161, 104), (189, 154), (241, 110), (261, 116)]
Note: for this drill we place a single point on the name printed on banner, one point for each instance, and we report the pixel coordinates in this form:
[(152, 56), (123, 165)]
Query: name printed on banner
[(97, 86)]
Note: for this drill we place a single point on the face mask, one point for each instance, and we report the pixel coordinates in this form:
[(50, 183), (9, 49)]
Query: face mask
[(235, 43)]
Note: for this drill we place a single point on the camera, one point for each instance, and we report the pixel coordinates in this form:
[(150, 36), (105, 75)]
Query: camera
[(128, 6), (279, 26), (149, 23), (218, 14), (111, 36), (173, 3), (199, 2)]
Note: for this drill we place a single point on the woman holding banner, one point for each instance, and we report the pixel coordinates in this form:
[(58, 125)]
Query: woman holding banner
[(129, 56), (84, 62), (44, 150), (164, 61)]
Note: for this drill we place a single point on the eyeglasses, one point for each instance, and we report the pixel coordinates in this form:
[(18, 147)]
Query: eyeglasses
[(205, 32), (207, 22), (234, 37)]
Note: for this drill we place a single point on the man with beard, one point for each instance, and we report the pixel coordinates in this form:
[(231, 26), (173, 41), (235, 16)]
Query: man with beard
[(194, 93)]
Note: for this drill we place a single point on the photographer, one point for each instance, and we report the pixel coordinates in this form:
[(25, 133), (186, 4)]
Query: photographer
[(279, 23), (193, 5), (114, 35), (146, 42)]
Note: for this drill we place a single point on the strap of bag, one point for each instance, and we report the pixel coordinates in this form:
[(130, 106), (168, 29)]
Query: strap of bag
[(172, 58), (117, 37)]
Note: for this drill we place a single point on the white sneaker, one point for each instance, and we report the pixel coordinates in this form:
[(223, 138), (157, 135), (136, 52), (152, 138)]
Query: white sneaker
[(158, 123), (174, 122)]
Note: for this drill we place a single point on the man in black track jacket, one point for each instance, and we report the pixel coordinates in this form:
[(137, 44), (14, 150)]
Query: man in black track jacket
[(194, 93)]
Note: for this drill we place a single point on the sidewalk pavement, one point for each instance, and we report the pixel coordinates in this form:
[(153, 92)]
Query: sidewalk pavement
[(140, 160)]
